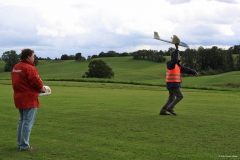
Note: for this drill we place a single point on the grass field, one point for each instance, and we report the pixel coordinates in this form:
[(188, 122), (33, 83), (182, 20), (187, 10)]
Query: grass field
[(97, 120), (116, 121)]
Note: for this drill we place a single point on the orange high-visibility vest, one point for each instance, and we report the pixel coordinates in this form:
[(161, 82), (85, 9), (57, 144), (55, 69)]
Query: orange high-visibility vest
[(174, 75)]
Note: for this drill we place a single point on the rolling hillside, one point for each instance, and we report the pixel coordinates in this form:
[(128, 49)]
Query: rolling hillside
[(125, 68), (128, 70)]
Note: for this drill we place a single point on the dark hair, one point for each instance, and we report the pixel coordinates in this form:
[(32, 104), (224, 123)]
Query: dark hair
[(25, 53)]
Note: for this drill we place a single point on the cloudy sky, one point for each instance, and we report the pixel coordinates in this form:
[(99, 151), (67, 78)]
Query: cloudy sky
[(56, 27)]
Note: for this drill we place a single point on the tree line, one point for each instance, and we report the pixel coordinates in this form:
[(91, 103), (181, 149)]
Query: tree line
[(11, 58), (211, 60), (206, 61)]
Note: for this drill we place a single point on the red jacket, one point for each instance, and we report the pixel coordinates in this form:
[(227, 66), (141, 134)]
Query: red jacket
[(26, 84)]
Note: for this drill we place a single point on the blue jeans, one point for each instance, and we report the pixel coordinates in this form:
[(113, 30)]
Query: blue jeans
[(25, 123)]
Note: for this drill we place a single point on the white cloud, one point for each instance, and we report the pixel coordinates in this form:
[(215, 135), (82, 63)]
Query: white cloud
[(227, 1), (226, 30), (175, 2), (91, 26)]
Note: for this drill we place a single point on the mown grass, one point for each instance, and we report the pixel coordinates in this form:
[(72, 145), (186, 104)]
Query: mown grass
[(118, 118), (121, 121)]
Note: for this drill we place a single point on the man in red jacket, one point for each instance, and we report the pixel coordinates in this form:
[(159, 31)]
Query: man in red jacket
[(27, 85)]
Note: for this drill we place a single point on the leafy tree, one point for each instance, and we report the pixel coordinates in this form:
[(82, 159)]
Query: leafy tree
[(162, 53), (99, 69), (11, 58), (112, 54), (189, 58), (108, 54), (94, 56), (237, 62), (202, 59), (78, 56), (124, 54), (64, 57), (230, 60), (169, 50), (71, 57), (160, 58), (89, 58), (151, 55), (236, 49), (215, 60)]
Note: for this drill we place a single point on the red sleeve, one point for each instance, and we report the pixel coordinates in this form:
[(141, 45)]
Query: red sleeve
[(34, 79)]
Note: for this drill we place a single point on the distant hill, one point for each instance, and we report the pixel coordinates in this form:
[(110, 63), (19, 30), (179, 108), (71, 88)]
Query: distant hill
[(128, 70), (125, 68)]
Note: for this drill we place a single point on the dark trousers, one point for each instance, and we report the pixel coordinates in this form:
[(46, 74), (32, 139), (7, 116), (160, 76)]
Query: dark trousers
[(175, 95)]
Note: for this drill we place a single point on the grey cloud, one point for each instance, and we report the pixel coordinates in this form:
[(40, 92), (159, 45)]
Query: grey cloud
[(228, 15), (202, 30), (174, 2), (226, 1), (17, 26), (80, 5), (18, 31)]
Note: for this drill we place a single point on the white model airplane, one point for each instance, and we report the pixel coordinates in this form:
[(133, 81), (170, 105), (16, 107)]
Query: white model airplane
[(175, 39), (48, 91)]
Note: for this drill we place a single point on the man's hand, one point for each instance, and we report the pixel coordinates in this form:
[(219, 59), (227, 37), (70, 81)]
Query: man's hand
[(43, 90), (196, 74), (176, 45)]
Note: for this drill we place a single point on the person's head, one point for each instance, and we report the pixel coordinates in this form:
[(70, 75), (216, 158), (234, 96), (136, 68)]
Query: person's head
[(27, 54)]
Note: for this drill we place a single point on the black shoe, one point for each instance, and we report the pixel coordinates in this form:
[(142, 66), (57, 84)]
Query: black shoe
[(172, 112), (164, 113)]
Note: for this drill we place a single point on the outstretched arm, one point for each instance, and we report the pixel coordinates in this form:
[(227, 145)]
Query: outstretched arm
[(189, 71)]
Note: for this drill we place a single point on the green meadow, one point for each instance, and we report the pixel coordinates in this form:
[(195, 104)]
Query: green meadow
[(91, 119)]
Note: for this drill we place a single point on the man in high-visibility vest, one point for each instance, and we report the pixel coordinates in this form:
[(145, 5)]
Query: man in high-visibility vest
[(173, 81)]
